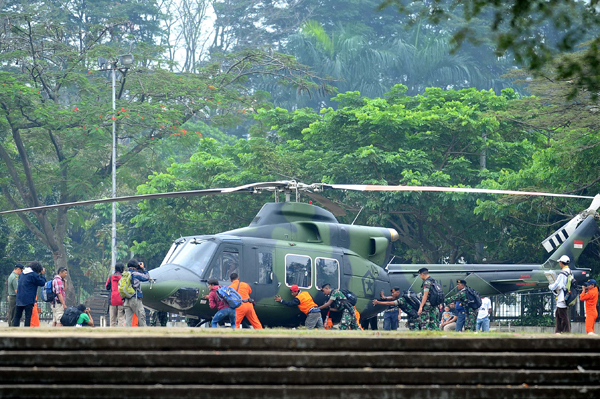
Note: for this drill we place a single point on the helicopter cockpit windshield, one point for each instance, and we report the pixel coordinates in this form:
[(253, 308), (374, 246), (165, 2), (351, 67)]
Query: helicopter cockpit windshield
[(193, 254)]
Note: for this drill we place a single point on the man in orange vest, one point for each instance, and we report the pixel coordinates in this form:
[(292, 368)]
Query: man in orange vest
[(246, 309), (590, 296), (306, 304)]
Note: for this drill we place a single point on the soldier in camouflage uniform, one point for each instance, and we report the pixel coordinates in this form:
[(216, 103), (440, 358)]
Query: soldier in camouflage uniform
[(461, 296), (428, 314), (339, 301), (407, 307)]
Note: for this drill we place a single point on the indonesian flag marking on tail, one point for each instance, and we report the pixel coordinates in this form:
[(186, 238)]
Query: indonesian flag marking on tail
[(577, 244)]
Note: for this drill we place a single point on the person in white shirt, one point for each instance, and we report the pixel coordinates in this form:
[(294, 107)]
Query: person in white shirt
[(558, 287), (483, 316)]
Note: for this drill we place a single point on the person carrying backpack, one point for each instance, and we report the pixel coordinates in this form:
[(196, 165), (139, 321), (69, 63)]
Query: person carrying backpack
[(215, 302), (134, 304), (428, 310), (563, 324), (405, 303), (338, 300), (58, 304), (116, 310), (462, 296)]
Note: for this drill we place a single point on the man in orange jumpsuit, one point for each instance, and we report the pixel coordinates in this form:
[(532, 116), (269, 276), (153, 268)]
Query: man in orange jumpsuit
[(246, 309), (590, 296)]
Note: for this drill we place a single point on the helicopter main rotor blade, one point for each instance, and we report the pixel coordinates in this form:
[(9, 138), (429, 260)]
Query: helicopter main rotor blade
[(249, 188), (327, 203), (367, 187)]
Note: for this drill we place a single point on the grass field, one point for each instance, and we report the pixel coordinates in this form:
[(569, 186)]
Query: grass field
[(188, 331)]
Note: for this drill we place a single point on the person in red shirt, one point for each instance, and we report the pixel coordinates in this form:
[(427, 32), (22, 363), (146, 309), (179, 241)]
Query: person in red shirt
[(590, 296), (215, 302), (246, 309), (117, 312)]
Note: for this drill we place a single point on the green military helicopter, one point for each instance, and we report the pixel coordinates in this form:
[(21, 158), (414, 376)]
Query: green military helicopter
[(297, 243)]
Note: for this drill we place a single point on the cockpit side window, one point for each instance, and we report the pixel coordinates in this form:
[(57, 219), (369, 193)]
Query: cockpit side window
[(226, 263)]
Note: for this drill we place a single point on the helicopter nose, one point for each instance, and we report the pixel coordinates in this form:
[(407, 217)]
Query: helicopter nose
[(172, 288)]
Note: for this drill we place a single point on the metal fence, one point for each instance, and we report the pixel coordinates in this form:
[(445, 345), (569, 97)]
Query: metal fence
[(534, 308)]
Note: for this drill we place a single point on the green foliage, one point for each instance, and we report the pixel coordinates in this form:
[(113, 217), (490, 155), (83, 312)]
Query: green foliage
[(534, 31)]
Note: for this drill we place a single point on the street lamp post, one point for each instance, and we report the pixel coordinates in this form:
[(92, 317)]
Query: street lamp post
[(125, 61)]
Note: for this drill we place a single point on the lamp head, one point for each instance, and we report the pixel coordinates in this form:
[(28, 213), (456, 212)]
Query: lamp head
[(126, 59)]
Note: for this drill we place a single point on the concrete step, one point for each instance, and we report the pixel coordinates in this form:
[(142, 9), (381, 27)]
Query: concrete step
[(308, 359), (335, 365), (293, 375), (336, 342), (393, 391)]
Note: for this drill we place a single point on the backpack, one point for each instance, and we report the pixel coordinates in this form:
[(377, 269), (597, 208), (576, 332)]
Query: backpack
[(48, 294), (231, 296), (125, 288), (436, 293), (350, 296), (69, 318), (412, 298), (473, 298), (412, 304), (572, 291)]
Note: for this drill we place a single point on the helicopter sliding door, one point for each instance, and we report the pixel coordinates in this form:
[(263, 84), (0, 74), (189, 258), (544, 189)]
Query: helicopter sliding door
[(259, 270)]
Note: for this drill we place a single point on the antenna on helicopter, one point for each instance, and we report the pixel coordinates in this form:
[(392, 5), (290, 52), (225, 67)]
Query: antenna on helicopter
[(358, 214)]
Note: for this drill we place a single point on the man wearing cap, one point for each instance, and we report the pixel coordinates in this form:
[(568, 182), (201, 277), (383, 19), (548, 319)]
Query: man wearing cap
[(390, 315), (590, 296), (13, 284), (470, 314), (563, 324), (428, 314), (306, 304)]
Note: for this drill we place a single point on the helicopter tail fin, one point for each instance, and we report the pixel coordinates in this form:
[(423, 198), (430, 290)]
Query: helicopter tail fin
[(573, 237)]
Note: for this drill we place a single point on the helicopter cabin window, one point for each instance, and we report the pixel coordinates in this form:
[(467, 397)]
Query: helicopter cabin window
[(298, 270), (265, 267), (193, 255), (327, 271), (225, 264)]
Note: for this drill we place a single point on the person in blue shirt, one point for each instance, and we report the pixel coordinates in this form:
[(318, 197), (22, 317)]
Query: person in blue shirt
[(29, 281), (134, 304), (460, 321)]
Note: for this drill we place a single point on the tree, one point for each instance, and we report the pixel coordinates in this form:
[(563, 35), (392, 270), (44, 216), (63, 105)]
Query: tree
[(55, 118), (429, 139), (534, 31)]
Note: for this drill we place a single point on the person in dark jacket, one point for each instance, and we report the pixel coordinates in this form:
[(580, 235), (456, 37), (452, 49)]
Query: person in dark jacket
[(117, 312), (215, 302), (133, 305), (29, 281)]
